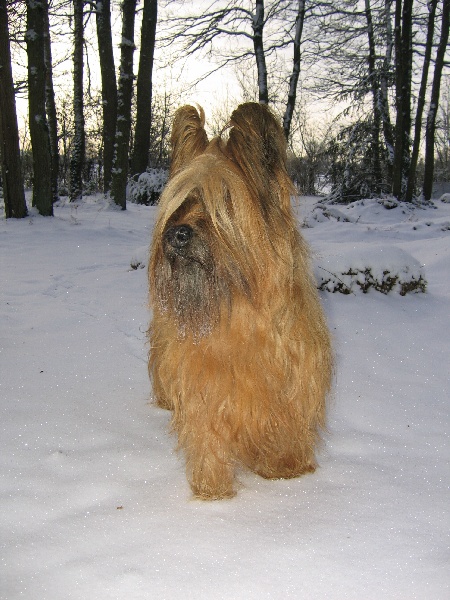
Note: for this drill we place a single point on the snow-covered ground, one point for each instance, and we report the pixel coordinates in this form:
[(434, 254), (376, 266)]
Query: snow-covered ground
[(94, 500)]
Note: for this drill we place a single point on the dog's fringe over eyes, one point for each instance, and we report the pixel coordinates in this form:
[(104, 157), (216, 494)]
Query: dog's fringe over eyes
[(240, 350)]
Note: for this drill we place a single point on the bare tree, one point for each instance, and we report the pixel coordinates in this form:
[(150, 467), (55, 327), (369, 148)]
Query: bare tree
[(236, 33), (403, 78), (421, 101), (139, 161), (434, 102), (293, 80), (109, 87), (258, 45), (385, 73), (125, 95), (442, 137), (374, 84), (40, 142), (51, 106), (13, 192), (78, 142)]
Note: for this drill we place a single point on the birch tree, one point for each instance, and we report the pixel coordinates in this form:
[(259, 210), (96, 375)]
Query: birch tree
[(237, 33), (293, 80), (13, 191), (125, 95)]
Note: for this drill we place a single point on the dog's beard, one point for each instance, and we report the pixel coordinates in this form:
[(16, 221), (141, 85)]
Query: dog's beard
[(188, 283)]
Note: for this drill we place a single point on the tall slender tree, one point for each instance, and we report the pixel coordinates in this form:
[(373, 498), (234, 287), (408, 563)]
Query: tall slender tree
[(374, 83), (385, 73), (293, 80), (40, 141), (109, 87), (258, 23), (124, 96), (139, 161), (13, 192), (50, 105), (421, 101), (434, 102), (78, 148), (403, 78)]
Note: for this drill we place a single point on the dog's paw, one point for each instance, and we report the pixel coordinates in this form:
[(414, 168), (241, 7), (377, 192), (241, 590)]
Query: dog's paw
[(204, 491), (285, 468)]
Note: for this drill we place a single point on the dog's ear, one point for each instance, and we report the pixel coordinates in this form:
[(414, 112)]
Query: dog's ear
[(188, 138), (257, 145)]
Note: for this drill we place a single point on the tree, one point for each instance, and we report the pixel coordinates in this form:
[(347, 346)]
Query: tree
[(258, 46), (403, 78), (434, 102), (410, 188), (125, 95), (40, 142), (236, 33), (384, 107), (374, 83), (442, 138), (51, 106), (293, 80), (354, 54), (78, 148), (13, 192), (109, 87), (139, 161)]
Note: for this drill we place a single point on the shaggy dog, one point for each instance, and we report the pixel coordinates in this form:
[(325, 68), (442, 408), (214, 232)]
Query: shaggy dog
[(240, 350)]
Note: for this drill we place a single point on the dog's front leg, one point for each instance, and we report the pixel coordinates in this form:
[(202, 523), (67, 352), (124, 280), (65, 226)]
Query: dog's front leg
[(209, 465)]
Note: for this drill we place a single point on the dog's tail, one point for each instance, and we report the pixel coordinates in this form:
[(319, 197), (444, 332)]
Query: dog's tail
[(188, 138)]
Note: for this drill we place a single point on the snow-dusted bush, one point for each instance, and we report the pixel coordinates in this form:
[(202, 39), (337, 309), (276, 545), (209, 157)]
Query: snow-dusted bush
[(385, 269), (139, 258), (146, 188)]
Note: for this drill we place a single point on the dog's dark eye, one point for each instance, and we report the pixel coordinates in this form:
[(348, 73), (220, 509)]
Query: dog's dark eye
[(179, 235)]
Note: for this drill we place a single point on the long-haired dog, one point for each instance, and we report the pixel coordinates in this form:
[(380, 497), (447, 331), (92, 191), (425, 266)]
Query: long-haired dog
[(240, 350)]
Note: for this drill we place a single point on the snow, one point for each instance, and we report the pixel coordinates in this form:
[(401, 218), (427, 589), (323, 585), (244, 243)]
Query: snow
[(95, 502)]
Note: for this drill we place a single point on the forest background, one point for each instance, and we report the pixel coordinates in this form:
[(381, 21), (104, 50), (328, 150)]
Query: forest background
[(88, 90)]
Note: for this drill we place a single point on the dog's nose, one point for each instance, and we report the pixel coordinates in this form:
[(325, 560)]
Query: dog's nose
[(179, 235)]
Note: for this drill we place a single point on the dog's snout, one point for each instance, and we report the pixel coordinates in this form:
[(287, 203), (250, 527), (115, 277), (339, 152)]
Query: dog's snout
[(179, 236)]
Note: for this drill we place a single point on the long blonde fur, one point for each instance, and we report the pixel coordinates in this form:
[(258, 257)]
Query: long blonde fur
[(240, 349)]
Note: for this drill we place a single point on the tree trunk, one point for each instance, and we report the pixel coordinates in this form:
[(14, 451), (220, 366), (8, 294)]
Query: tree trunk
[(421, 101), (258, 27), (384, 99), (124, 97), (78, 142), (375, 88), (13, 192), (403, 59), (109, 87), (139, 161), (434, 102), (40, 142), (51, 107), (293, 81)]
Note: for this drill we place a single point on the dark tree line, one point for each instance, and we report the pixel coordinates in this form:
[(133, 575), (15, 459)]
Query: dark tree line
[(384, 59), (43, 122)]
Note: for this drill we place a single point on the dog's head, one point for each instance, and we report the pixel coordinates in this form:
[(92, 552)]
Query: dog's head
[(224, 217)]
